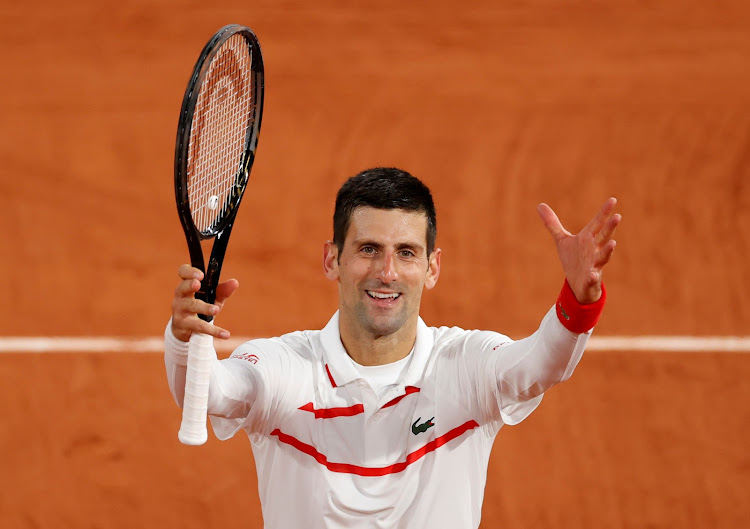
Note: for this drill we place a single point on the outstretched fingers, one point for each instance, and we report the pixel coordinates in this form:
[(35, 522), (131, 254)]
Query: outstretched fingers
[(551, 222), (604, 238), (608, 230), (605, 254), (599, 221)]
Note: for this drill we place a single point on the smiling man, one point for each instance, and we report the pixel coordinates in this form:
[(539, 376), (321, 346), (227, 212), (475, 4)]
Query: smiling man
[(378, 420), (383, 257)]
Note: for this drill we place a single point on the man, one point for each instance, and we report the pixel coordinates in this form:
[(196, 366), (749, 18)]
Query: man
[(379, 421)]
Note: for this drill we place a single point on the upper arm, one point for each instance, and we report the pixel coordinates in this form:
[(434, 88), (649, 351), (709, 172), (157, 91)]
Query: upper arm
[(251, 386), (512, 376), (526, 368), (233, 389)]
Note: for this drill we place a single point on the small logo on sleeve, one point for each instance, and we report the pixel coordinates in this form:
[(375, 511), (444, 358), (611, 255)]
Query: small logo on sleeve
[(247, 356), (420, 428), (562, 311)]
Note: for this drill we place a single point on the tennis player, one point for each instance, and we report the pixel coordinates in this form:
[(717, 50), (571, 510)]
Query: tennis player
[(378, 420)]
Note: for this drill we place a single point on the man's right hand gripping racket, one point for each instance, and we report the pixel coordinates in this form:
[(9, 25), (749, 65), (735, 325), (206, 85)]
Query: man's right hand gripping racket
[(216, 140)]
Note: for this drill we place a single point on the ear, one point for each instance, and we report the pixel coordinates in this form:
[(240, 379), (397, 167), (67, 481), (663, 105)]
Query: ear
[(331, 261), (433, 269)]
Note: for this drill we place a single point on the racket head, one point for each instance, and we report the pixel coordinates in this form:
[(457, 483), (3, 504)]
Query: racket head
[(217, 134)]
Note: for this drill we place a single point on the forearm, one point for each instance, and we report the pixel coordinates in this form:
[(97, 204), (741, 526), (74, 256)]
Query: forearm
[(232, 389), (549, 356), (175, 362), (530, 366)]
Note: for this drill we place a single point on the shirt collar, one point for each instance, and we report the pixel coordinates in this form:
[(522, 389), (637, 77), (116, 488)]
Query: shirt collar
[(341, 368), (421, 354)]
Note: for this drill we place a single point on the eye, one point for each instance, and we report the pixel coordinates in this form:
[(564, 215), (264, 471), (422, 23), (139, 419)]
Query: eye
[(407, 253), (368, 250)]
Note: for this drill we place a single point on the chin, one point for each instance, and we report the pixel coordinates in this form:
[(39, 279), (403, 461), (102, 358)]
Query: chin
[(384, 326)]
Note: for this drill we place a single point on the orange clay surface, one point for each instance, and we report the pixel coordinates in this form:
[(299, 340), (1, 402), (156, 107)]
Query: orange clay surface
[(497, 106)]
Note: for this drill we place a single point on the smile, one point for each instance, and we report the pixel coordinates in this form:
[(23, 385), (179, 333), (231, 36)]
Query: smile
[(381, 295)]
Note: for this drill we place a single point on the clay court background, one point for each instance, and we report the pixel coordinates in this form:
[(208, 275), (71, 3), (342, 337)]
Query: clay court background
[(497, 106)]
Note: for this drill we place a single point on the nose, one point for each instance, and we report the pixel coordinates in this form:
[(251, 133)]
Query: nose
[(387, 272)]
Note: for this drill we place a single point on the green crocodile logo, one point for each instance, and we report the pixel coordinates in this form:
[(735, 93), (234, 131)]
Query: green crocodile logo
[(420, 428), (562, 310)]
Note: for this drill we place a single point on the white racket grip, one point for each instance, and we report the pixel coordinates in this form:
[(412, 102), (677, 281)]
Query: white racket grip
[(197, 379)]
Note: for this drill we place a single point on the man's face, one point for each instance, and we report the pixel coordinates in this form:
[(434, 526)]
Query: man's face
[(382, 270)]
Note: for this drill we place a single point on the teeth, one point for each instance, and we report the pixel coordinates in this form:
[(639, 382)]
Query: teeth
[(379, 295)]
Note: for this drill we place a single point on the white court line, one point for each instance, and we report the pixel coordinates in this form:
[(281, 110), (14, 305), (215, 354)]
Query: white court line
[(82, 344), (677, 344), (90, 344)]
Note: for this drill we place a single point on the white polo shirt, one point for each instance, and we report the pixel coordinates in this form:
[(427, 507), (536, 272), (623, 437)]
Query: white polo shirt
[(331, 454)]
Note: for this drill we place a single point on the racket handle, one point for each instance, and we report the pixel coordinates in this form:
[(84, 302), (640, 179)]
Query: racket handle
[(197, 379)]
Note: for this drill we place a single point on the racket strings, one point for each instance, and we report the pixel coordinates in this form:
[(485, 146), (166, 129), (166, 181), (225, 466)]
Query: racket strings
[(218, 134)]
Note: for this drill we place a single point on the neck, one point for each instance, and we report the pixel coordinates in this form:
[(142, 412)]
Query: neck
[(368, 349)]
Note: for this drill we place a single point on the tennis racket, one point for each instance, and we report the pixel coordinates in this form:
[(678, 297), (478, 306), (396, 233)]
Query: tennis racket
[(217, 136)]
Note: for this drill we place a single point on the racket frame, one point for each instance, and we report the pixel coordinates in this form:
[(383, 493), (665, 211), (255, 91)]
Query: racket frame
[(222, 230)]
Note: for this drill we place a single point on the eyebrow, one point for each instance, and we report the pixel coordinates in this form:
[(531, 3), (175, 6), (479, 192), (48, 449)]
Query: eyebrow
[(400, 246)]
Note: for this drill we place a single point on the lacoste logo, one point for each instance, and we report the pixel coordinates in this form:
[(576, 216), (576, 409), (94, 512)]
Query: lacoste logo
[(562, 310), (419, 428)]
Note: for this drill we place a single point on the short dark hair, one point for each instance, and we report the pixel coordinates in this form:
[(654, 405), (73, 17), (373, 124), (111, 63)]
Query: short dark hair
[(383, 188)]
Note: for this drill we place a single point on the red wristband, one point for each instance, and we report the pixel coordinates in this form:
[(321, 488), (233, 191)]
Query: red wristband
[(575, 316)]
